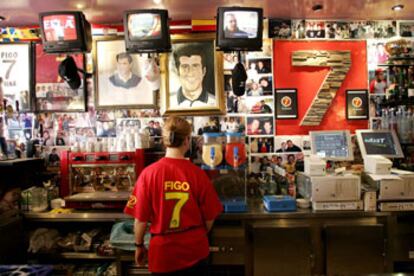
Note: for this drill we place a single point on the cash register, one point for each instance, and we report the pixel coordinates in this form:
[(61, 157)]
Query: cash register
[(395, 188), (328, 190)]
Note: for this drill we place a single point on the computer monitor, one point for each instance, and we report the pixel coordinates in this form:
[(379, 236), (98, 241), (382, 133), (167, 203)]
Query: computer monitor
[(147, 31), (65, 32), (379, 142), (332, 145), (239, 29)]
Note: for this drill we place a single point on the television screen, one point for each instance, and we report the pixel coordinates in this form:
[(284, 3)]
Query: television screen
[(240, 24), (332, 145), (60, 27), (239, 29), (379, 142), (147, 31), (144, 26), (65, 32)]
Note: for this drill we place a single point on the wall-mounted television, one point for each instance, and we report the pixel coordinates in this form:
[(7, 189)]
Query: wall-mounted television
[(147, 31), (239, 29), (379, 142), (333, 145), (65, 32)]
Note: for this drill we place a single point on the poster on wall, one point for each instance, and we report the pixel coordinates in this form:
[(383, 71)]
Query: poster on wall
[(52, 92), (123, 80), (286, 104), (15, 72), (357, 104)]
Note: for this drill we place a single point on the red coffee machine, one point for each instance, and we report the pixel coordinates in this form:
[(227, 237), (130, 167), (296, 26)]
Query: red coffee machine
[(99, 180)]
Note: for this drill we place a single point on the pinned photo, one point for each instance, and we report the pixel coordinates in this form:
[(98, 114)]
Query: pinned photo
[(260, 125)]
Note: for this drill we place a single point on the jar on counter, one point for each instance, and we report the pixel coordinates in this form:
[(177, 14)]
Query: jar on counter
[(212, 149), (235, 150)]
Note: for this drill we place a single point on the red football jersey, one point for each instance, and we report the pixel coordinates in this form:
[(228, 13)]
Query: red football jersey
[(177, 198)]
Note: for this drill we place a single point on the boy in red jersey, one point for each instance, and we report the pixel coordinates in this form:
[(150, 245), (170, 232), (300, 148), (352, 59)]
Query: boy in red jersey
[(179, 200)]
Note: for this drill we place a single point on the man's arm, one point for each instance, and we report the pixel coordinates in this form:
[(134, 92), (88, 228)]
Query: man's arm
[(140, 252), (139, 230), (209, 225)]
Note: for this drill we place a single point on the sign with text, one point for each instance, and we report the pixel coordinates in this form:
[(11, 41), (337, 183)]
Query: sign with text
[(15, 71), (357, 104), (286, 104)]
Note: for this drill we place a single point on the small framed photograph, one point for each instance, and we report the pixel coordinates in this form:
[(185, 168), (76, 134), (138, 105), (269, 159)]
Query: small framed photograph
[(286, 103), (16, 71), (280, 28), (259, 105), (337, 30), (357, 105), (262, 145), (52, 92), (192, 77), (233, 124), (288, 143), (262, 125), (406, 28), (122, 80), (315, 29)]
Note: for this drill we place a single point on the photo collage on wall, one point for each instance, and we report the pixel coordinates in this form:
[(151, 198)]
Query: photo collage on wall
[(334, 29)]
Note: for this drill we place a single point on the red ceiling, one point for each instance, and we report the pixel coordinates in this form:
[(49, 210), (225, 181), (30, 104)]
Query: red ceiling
[(25, 12)]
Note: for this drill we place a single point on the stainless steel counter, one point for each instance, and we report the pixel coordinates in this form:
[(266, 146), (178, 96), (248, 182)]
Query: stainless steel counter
[(255, 212)]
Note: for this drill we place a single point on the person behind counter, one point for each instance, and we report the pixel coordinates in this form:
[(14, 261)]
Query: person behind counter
[(179, 200)]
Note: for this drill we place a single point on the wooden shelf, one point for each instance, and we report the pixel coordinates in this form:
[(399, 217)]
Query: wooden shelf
[(72, 256)]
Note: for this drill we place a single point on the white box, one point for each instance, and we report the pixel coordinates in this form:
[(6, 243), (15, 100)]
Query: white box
[(390, 187), (370, 201), (377, 164), (330, 187), (315, 166)]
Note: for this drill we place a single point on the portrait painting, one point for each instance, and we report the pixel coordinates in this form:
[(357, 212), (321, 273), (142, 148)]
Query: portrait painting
[(191, 76), (52, 92), (16, 75), (123, 80)]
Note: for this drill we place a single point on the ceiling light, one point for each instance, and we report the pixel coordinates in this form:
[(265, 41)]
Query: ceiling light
[(157, 2), (2, 18), (317, 7), (397, 7), (80, 6)]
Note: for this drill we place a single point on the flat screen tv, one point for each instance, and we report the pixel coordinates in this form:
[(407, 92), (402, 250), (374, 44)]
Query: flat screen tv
[(333, 145), (239, 29), (147, 31), (379, 142), (65, 32)]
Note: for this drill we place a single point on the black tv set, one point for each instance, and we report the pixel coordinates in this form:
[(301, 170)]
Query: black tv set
[(147, 31), (65, 32), (239, 29)]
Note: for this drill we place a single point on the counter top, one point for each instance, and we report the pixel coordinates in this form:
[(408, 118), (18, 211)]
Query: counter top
[(255, 212)]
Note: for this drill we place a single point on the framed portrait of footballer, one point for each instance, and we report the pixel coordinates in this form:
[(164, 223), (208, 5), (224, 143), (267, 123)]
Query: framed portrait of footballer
[(52, 93), (16, 71), (123, 80), (192, 77)]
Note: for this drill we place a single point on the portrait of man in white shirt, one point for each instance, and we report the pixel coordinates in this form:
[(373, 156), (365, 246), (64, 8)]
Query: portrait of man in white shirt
[(195, 78)]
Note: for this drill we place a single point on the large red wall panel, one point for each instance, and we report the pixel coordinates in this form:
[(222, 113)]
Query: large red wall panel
[(308, 80)]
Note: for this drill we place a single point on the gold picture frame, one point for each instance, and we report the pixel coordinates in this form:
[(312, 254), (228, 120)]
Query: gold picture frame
[(176, 90), (113, 92)]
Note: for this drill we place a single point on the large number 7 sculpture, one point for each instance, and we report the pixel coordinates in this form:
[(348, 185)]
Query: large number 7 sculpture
[(340, 63)]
